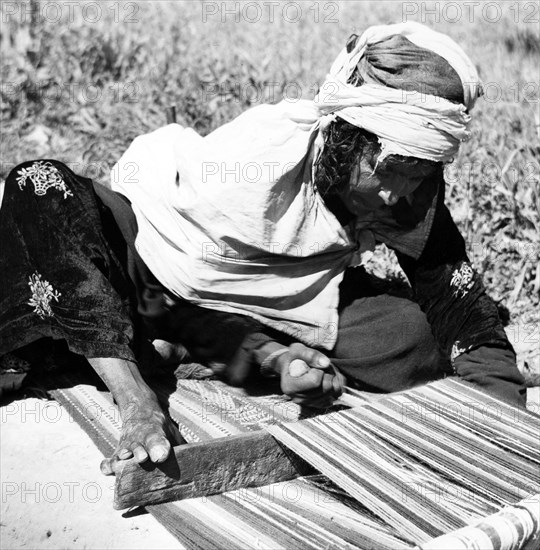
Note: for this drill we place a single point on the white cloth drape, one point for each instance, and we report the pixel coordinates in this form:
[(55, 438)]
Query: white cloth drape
[(243, 230)]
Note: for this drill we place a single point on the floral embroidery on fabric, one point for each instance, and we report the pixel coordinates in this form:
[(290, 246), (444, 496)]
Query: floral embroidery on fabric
[(44, 176), (457, 351), (42, 295), (462, 280)]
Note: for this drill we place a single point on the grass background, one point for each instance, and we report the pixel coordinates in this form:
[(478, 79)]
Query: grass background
[(80, 80)]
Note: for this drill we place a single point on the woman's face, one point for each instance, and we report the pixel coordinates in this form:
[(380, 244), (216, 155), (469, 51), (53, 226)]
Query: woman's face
[(369, 189)]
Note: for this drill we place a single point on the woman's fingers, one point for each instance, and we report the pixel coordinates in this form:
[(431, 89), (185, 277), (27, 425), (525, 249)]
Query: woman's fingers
[(308, 377), (303, 370), (321, 396), (311, 380), (312, 357), (320, 361), (124, 454), (144, 440), (338, 383), (139, 453), (326, 384), (106, 466), (158, 447)]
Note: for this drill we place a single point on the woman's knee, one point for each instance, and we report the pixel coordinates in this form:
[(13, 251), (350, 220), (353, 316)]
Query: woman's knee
[(413, 327), (385, 328)]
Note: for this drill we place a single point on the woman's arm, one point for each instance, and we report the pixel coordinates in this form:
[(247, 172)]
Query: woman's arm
[(464, 319), (242, 344)]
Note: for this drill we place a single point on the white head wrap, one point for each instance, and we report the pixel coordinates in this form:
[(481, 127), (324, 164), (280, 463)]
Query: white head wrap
[(407, 123)]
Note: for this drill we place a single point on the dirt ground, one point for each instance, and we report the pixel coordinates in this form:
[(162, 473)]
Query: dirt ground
[(53, 495)]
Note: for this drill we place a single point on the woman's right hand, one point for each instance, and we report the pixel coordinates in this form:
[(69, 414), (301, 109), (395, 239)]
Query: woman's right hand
[(317, 384)]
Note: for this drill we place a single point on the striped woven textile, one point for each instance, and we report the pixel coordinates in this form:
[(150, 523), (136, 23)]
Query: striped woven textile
[(430, 460), (306, 513), (397, 471)]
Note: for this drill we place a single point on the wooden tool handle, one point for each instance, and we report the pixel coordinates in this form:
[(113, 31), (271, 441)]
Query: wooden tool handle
[(208, 468)]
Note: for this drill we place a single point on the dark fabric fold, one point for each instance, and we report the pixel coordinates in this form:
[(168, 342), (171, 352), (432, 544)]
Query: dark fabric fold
[(396, 62), (53, 251)]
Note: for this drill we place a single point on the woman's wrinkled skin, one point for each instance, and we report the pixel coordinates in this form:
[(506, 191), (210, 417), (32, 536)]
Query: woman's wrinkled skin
[(373, 184), (147, 433)]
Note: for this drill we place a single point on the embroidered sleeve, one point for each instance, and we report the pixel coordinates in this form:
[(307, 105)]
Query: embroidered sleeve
[(462, 316), (462, 280)]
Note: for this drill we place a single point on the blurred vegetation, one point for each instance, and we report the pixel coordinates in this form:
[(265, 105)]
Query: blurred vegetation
[(79, 83)]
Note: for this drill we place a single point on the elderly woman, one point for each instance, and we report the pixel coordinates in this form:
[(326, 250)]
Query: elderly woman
[(246, 246)]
